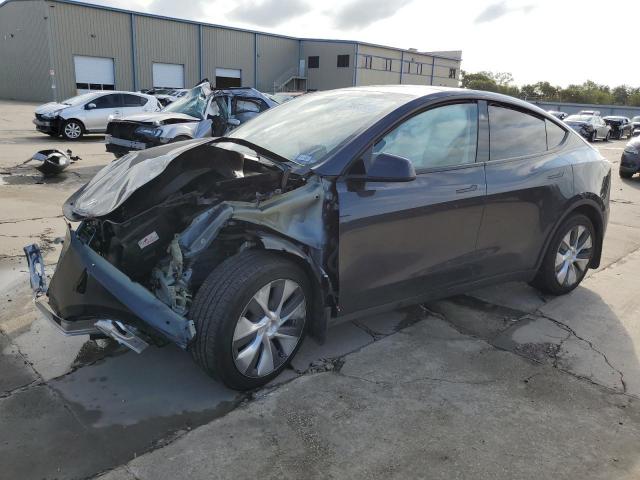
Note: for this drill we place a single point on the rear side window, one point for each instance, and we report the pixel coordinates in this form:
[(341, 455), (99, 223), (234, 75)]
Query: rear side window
[(134, 100), (442, 136), (555, 135), (515, 133), (108, 101), (245, 105)]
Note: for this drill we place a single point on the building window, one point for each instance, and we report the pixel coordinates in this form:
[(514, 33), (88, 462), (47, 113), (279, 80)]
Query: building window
[(453, 73), (343, 61), (419, 68), (408, 67), (388, 64), (368, 61), (314, 62)]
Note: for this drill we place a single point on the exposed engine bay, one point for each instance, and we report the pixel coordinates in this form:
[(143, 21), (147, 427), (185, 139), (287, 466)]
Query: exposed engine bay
[(168, 218)]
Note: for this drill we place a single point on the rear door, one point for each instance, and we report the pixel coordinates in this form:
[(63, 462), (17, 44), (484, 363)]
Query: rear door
[(134, 104), (528, 184), (399, 240)]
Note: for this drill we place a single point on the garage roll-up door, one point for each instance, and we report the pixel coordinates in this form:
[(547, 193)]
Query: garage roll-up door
[(228, 77), (94, 73), (168, 75)]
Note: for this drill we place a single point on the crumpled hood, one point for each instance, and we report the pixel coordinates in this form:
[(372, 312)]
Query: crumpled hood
[(116, 182), (50, 108), (159, 117)]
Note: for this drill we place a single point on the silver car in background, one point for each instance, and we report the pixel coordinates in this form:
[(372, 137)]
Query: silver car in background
[(90, 112)]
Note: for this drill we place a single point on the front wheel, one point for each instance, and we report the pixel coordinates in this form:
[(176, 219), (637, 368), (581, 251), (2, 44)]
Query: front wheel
[(250, 316), (568, 257), (72, 129)]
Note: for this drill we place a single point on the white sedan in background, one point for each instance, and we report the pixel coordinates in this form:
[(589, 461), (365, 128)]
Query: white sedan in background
[(90, 112)]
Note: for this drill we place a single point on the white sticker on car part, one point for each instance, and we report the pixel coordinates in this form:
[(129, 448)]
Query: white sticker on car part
[(148, 240)]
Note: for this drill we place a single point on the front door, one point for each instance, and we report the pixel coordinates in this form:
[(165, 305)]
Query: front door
[(400, 240), (96, 119)]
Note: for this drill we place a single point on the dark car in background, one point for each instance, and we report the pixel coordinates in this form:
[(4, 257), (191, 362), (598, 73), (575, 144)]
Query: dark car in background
[(591, 126), (339, 204), (621, 127), (202, 112), (630, 161)]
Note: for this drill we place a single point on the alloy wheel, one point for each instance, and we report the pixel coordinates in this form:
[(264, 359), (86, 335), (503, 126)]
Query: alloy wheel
[(72, 130), (270, 328), (573, 256)]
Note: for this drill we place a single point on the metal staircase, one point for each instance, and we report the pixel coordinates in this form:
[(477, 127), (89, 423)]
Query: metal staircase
[(292, 80)]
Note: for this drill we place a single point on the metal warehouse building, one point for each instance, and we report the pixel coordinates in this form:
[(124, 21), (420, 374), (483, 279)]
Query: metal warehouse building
[(53, 49)]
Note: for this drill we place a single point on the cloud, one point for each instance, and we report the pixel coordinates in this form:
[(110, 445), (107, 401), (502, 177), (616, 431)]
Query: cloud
[(500, 9), (193, 9), (268, 13), (362, 13)]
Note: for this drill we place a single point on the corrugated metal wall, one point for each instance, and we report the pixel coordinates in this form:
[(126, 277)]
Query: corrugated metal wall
[(165, 41), (276, 57), (377, 75), (329, 76), (78, 30), (224, 48), (24, 74)]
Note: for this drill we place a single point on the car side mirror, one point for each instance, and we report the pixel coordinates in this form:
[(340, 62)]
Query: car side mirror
[(90, 106), (385, 167)]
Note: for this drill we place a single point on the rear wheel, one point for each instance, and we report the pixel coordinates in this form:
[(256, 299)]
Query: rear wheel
[(567, 259), (72, 129), (250, 316)]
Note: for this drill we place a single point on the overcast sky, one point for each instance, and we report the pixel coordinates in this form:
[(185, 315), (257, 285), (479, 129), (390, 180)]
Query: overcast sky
[(562, 41)]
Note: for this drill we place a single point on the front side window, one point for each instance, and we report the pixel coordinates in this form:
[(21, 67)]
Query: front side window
[(107, 101), (440, 137), (515, 133)]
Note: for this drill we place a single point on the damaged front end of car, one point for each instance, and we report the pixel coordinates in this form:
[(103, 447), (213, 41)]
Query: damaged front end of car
[(154, 224)]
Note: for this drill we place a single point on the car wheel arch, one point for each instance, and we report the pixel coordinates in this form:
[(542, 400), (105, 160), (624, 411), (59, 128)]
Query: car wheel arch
[(593, 211)]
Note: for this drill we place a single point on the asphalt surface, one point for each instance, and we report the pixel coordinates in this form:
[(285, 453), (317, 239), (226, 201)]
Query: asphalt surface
[(498, 383)]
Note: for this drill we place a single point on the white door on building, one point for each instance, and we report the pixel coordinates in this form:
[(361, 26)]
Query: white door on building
[(228, 77), (168, 75), (94, 73)]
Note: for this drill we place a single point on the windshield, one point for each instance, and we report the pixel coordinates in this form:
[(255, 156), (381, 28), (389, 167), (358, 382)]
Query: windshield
[(79, 99), (310, 128), (193, 104), (578, 118)]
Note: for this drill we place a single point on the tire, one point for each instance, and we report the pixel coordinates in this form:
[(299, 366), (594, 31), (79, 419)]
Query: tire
[(223, 345), (626, 175), (549, 277), (72, 129), (593, 136)]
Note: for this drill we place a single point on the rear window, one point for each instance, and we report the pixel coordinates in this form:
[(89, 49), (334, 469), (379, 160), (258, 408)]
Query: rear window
[(515, 133), (555, 134)]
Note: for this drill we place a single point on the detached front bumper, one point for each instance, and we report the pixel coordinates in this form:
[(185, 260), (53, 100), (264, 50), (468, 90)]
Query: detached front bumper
[(87, 295)]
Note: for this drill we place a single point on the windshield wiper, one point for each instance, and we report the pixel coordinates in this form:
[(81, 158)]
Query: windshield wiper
[(256, 148)]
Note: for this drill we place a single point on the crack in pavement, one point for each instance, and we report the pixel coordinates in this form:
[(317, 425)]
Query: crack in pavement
[(3, 222)]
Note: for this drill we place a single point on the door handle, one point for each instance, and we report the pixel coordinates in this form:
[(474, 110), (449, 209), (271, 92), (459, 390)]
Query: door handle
[(470, 188), (556, 175)]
